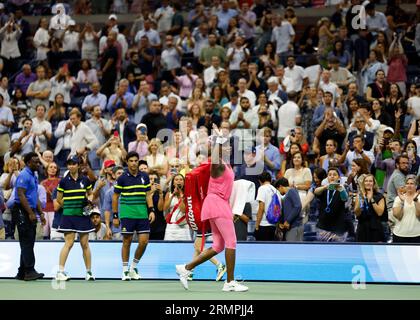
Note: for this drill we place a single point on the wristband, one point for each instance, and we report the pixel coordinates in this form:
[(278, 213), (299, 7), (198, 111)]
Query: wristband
[(115, 215), (151, 209)]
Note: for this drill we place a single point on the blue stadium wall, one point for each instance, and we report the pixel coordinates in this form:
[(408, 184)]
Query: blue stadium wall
[(312, 262)]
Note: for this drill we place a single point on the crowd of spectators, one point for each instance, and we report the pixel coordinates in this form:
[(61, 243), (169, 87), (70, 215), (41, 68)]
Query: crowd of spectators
[(329, 112)]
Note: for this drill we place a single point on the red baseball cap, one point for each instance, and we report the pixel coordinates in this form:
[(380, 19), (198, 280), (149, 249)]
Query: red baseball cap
[(109, 163)]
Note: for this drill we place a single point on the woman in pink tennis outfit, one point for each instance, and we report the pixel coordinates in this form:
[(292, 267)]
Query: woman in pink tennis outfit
[(217, 210)]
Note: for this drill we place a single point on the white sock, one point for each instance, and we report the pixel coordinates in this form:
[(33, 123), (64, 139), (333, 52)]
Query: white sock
[(125, 266), (134, 264)]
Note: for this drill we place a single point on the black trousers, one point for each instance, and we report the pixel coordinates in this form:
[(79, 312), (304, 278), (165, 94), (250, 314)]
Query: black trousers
[(265, 234), (27, 233), (397, 239)]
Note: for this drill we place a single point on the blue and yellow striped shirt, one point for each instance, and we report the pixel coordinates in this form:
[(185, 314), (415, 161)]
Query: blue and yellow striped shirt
[(74, 194), (132, 191)]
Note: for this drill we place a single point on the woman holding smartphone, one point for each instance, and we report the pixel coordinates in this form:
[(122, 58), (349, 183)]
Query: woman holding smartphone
[(332, 222), (174, 208), (410, 148)]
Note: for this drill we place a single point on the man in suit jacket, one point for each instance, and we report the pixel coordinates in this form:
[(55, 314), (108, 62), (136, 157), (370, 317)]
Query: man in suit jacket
[(125, 128)]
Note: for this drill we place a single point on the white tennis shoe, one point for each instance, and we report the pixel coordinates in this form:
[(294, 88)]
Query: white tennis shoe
[(183, 275), (234, 286)]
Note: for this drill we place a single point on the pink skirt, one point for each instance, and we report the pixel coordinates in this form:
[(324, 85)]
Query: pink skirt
[(215, 207)]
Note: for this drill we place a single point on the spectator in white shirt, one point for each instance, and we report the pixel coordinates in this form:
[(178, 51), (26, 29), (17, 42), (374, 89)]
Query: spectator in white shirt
[(288, 116), (4, 90), (244, 92), (70, 40), (171, 56), (89, 39), (82, 138), (87, 75), (100, 232), (41, 127), (163, 16), (283, 35), (294, 72), (235, 55), (101, 129), (275, 93), (413, 103), (312, 73), (357, 153), (244, 121), (285, 82), (59, 23), (326, 85), (61, 83), (211, 72), (9, 36), (41, 40)]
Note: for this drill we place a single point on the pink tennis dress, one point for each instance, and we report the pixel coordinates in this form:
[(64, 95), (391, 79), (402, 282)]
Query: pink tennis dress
[(216, 204)]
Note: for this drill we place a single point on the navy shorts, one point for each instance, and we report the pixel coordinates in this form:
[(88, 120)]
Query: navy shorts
[(131, 226), (75, 224)]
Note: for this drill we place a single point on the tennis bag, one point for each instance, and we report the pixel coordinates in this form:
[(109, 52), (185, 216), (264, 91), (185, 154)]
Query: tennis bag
[(195, 190), (274, 209)]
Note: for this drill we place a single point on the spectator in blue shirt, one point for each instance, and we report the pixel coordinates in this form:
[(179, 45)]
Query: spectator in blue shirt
[(271, 156), (291, 218), (24, 213), (328, 102), (121, 99), (112, 232), (224, 15)]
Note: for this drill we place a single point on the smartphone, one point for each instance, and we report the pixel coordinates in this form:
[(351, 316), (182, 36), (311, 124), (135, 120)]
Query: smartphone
[(293, 132), (116, 134)]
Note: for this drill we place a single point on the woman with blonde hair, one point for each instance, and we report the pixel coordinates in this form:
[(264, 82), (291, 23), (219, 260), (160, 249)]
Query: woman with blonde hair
[(225, 113), (196, 112), (299, 177), (197, 97), (290, 15), (11, 170), (370, 209), (156, 160), (113, 149), (406, 210), (180, 149)]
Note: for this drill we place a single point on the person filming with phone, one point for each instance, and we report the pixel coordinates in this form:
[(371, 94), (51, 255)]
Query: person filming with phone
[(332, 225)]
